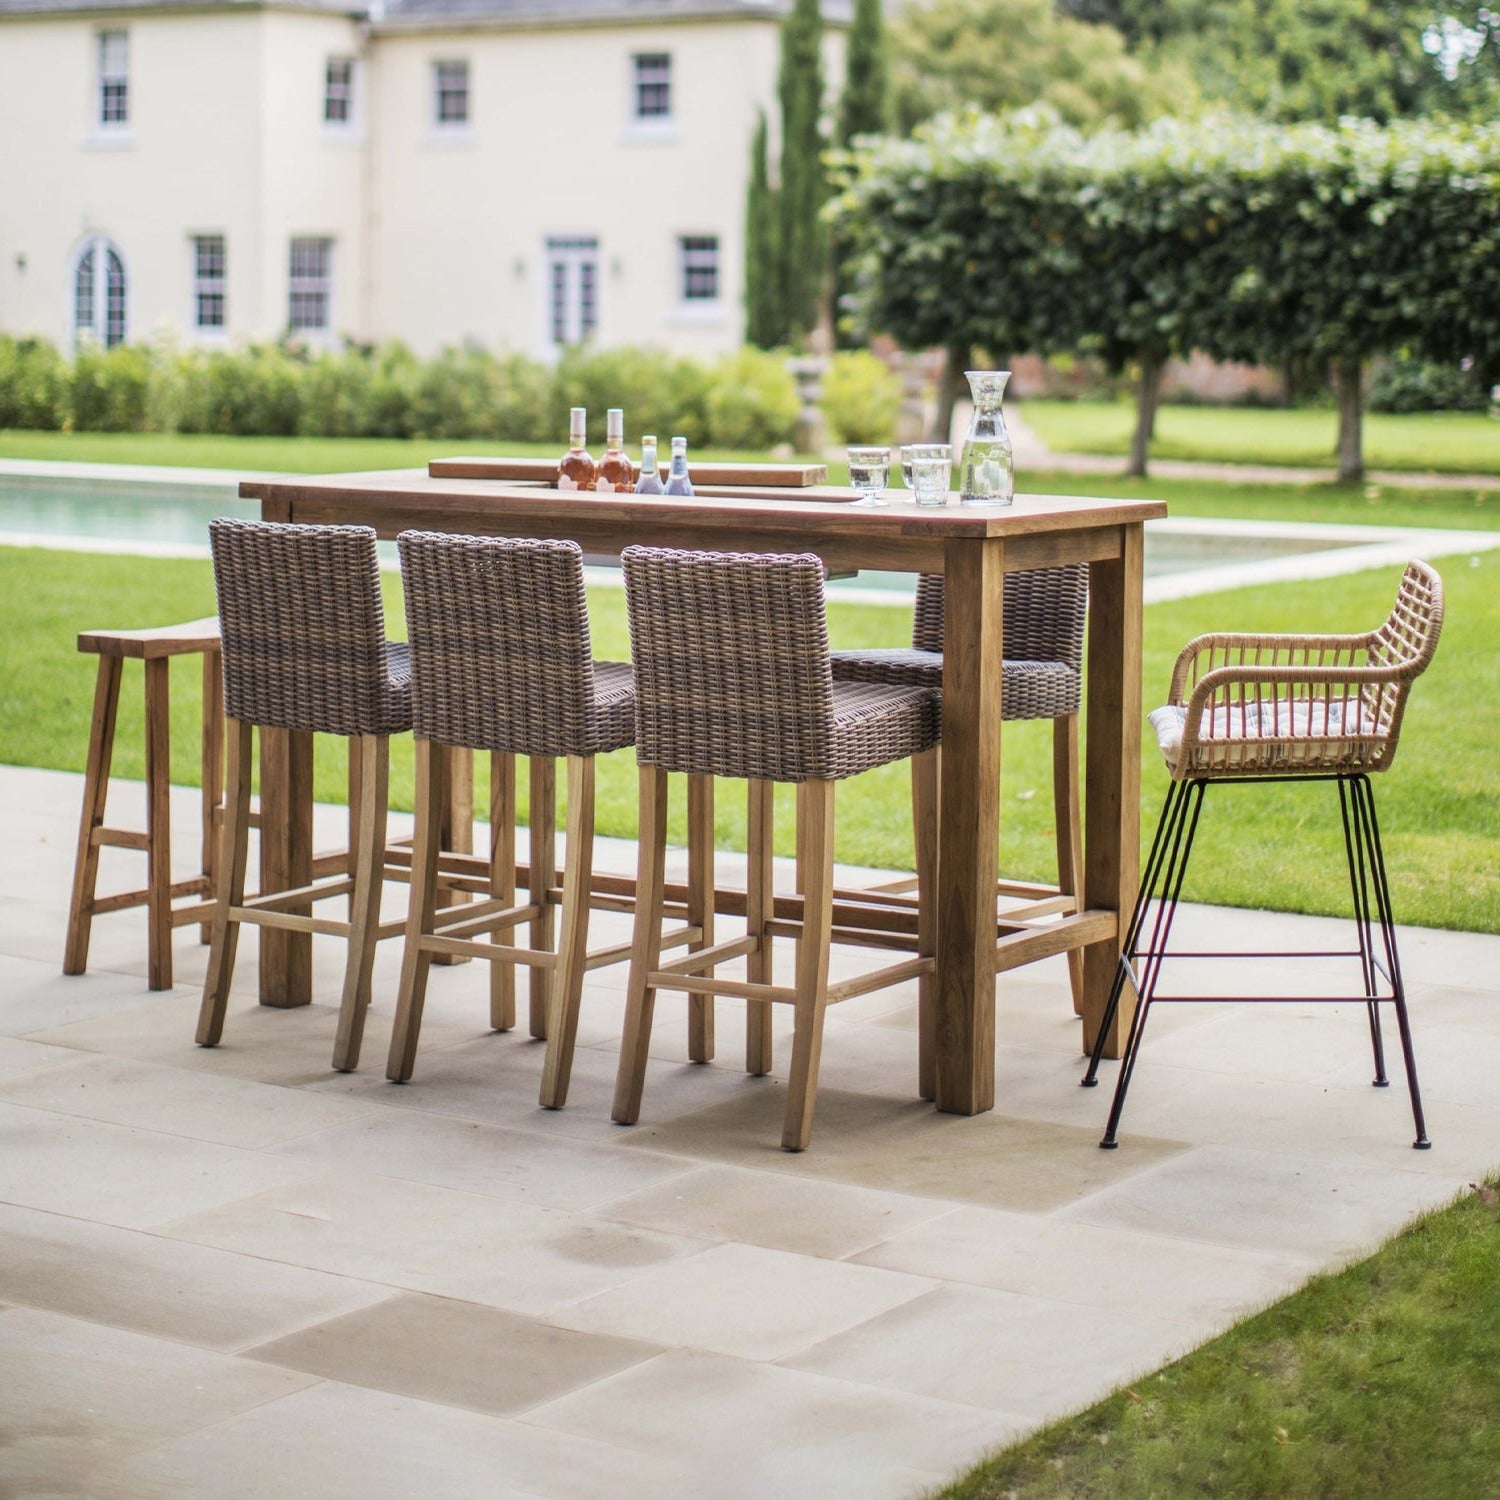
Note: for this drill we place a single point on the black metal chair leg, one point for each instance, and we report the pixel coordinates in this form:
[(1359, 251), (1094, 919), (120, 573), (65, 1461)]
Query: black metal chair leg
[(1354, 851), (1393, 962), (1176, 791)]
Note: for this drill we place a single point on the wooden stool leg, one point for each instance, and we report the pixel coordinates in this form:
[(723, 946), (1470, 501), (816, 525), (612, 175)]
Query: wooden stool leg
[(503, 882), (234, 849), (543, 878), (759, 903), (158, 827), (925, 780), (700, 908), (645, 951), (573, 950), (1068, 818), (369, 884), (419, 915), (457, 835), (212, 774), (815, 840), (95, 794), (356, 786)]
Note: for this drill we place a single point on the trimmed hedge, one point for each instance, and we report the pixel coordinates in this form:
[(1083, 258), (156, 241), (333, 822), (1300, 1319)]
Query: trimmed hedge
[(745, 400)]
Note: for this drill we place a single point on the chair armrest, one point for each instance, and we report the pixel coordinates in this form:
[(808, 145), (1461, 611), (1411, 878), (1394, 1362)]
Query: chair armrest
[(1223, 650)]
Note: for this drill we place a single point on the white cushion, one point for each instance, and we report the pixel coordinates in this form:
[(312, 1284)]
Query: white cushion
[(1271, 721)]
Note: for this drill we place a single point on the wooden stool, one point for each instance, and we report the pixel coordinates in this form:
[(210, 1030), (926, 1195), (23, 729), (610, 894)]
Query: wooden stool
[(155, 648)]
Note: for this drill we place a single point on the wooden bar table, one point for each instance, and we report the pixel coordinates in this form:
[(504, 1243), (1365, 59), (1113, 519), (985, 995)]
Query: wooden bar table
[(973, 549)]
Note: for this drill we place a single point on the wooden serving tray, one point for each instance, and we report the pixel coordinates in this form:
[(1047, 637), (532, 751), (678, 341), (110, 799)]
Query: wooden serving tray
[(706, 477)]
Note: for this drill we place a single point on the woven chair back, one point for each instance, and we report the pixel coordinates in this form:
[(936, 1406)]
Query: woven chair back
[(1405, 645), (731, 663), (303, 628), (1044, 614), (500, 651)]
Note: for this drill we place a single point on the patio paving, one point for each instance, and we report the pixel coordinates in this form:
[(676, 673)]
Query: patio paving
[(236, 1271)]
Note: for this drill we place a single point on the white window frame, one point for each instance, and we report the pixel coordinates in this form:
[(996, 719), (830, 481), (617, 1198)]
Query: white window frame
[(111, 72), (642, 81), (440, 90), (100, 247), (310, 284), (699, 254), (208, 285), (571, 282), (346, 92)]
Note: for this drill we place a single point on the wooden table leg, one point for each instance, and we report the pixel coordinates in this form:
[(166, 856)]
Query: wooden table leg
[(1112, 803), (286, 793), (968, 822)]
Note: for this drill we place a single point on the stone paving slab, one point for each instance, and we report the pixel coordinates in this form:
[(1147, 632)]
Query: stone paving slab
[(238, 1272)]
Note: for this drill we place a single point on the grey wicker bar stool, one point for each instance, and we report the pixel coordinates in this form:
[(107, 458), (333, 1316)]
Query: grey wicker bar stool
[(304, 648), (733, 679), (1251, 709), (1044, 614), (501, 661)]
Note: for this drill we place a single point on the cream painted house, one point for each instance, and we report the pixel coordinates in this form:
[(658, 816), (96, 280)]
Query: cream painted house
[(521, 173)]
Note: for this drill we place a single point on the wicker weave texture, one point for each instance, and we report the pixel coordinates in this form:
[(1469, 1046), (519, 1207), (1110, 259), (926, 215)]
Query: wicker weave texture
[(1255, 705), (304, 629), (500, 648), (733, 677)]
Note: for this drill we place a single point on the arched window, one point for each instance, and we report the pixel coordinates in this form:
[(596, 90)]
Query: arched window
[(99, 293)]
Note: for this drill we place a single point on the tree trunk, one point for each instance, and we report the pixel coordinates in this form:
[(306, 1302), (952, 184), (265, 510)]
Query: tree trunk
[(951, 386), (1147, 394), (1351, 419)]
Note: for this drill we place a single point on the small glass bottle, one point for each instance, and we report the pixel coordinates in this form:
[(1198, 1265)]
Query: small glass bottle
[(650, 481), (577, 470), (615, 473), (678, 482)]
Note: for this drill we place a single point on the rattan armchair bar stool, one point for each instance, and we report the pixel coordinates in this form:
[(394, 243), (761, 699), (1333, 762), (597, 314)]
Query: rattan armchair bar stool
[(733, 679), (501, 661), (169, 904), (1043, 620), (1251, 709), (304, 648)]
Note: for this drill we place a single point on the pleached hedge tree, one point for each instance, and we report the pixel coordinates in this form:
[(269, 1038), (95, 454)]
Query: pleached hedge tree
[(1243, 240)]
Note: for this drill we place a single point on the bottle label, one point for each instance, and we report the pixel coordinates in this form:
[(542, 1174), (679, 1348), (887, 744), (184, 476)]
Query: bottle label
[(604, 486), (565, 483)]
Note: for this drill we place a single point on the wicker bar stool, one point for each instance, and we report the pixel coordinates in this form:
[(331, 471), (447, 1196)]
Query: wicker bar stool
[(733, 679), (304, 648), (501, 661), (162, 896), (1251, 709), (1044, 614)]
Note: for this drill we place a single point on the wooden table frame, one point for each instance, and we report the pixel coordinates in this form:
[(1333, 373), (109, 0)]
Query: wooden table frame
[(973, 549)]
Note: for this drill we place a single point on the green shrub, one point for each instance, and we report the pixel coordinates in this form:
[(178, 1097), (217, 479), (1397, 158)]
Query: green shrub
[(109, 388), (752, 400), (659, 392), (1406, 385), (33, 384), (861, 398)]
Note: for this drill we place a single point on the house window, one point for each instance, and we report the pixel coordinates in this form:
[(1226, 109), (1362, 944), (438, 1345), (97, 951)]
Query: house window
[(450, 83), (653, 86), (209, 300), (99, 294), (310, 286), (698, 257), (114, 78), (338, 91), (572, 289)]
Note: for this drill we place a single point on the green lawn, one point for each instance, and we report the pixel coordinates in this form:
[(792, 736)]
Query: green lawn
[(1437, 442), (1379, 1381), (1277, 846)]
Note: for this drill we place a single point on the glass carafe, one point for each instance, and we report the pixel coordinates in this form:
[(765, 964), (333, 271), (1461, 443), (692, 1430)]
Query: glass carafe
[(987, 474)]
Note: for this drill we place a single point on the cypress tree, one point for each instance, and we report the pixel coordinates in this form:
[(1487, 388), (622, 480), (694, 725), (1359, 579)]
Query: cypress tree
[(801, 247), (764, 325), (863, 110)]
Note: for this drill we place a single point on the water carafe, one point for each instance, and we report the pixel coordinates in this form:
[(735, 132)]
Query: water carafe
[(987, 474)]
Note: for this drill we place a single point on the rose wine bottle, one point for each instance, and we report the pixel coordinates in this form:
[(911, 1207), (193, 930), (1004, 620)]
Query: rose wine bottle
[(577, 470), (615, 473), (678, 482)]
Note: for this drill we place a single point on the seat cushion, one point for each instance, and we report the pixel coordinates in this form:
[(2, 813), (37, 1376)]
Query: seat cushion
[(1271, 735), (614, 706), (874, 725), (1028, 690)]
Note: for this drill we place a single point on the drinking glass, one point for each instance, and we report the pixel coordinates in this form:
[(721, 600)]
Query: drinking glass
[(869, 469), (929, 479), (921, 450)]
